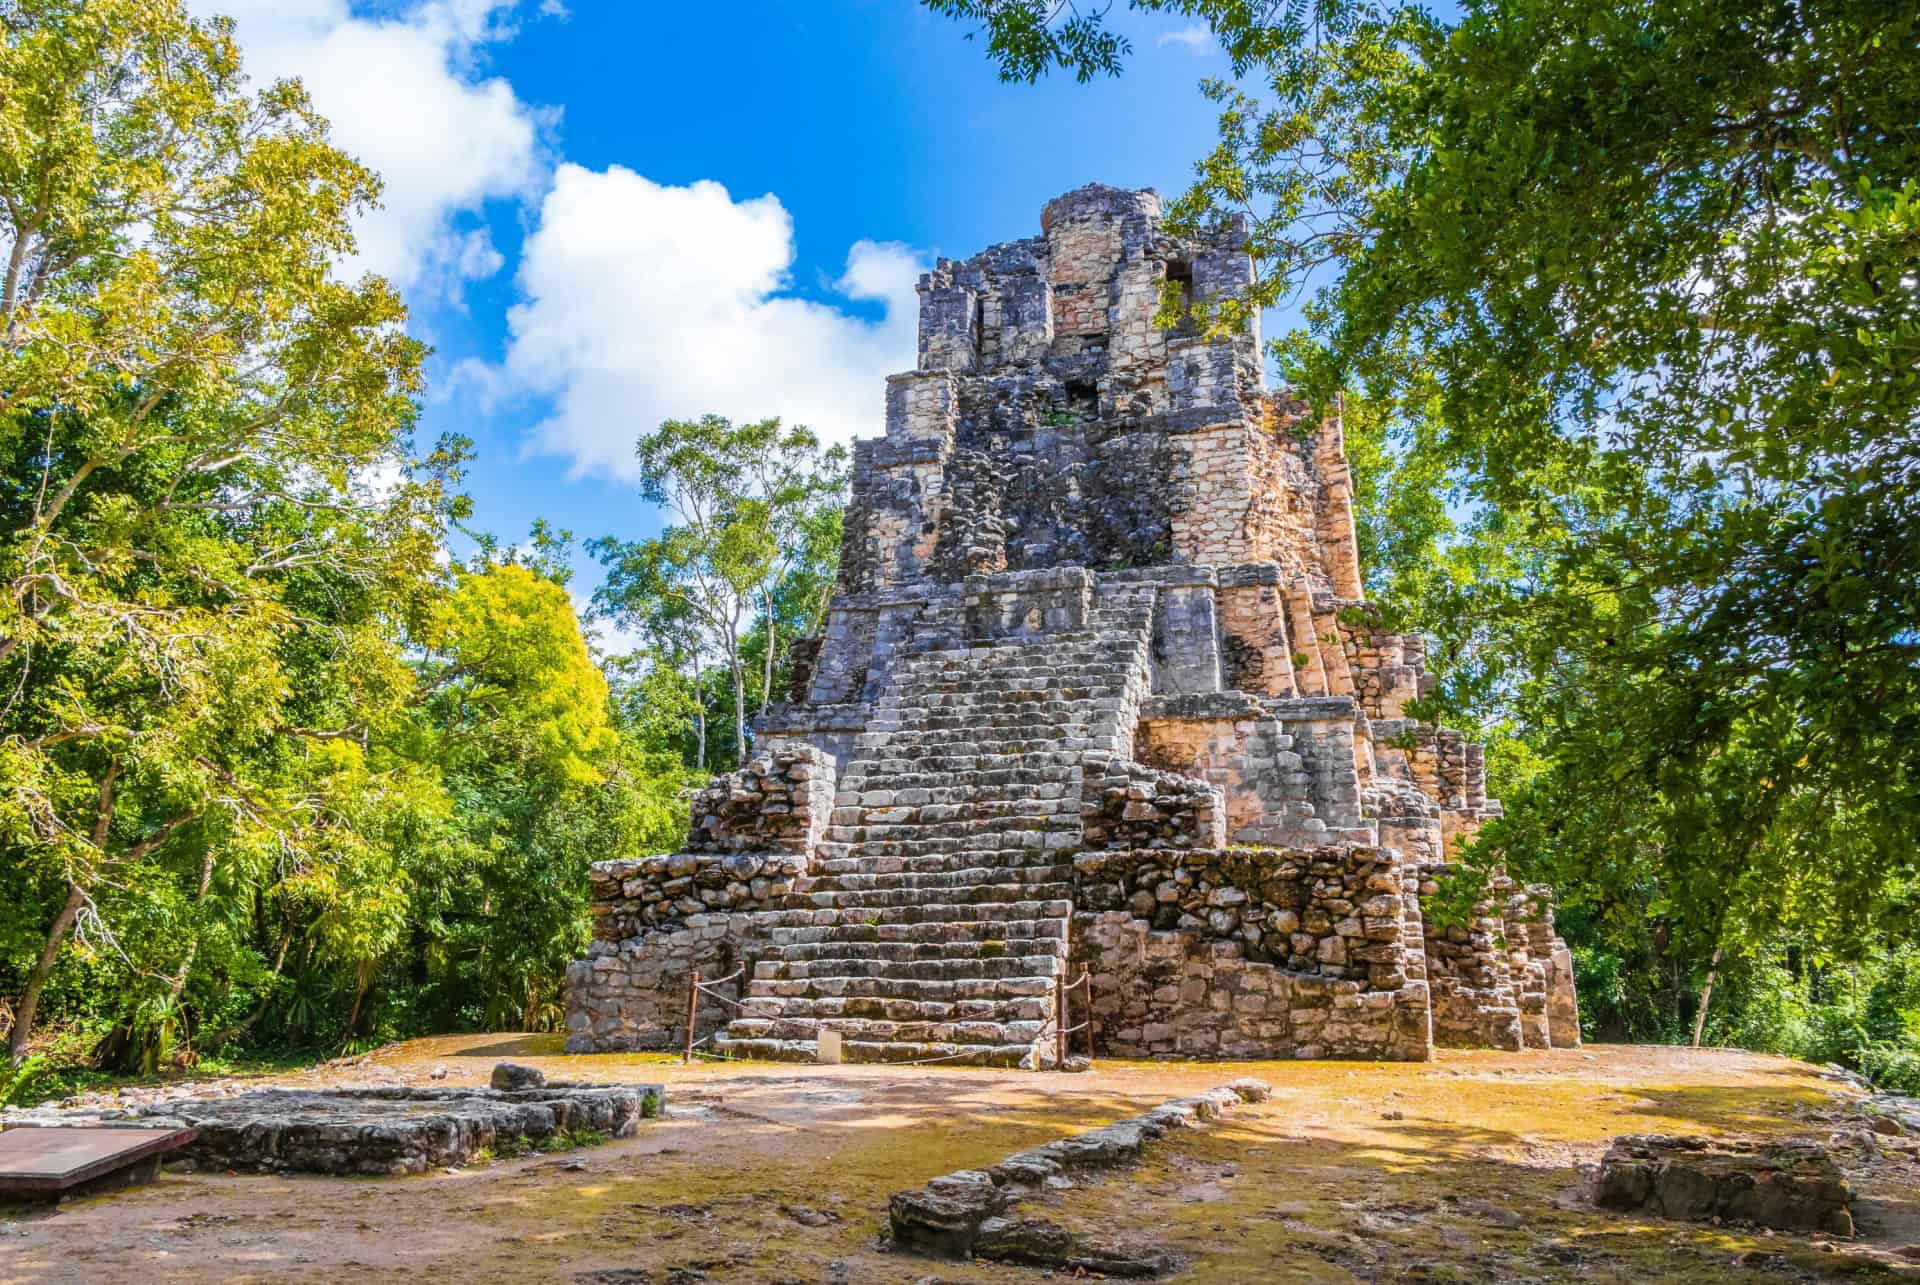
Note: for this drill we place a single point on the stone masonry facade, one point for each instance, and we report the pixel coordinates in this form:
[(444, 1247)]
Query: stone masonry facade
[(1099, 687)]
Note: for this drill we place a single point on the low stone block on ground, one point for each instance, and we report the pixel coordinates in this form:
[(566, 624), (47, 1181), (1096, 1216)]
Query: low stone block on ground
[(377, 1131), (1787, 1186)]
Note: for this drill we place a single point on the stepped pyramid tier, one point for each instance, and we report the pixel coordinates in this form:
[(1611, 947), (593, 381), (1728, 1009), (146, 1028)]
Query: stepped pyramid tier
[(1099, 686)]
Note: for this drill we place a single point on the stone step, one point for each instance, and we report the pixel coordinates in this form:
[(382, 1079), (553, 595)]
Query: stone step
[(1020, 910), (863, 876), (884, 899), (1011, 929), (1049, 830), (944, 857), (1039, 844), (996, 697), (1034, 844), (1004, 912), (959, 784), (957, 789), (1018, 949), (910, 998), (984, 740), (890, 1032), (1028, 716), (980, 1008), (947, 969), (926, 813), (1007, 1055), (929, 990), (961, 759)]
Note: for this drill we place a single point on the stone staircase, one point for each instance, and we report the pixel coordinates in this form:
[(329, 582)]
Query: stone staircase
[(933, 923)]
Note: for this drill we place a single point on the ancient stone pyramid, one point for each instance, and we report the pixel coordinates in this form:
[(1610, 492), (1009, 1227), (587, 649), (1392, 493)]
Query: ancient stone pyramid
[(1099, 686)]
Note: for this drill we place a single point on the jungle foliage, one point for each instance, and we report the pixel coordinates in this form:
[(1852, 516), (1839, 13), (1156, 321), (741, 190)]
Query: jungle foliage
[(277, 769)]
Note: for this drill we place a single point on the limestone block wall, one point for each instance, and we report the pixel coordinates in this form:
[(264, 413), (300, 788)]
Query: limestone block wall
[(899, 484), (1339, 547), (1186, 635), (778, 802), (632, 995), (1469, 973), (1250, 953), (1409, 821), (1450, 769), (833, 729), (1124, 804), (1286, 768), (1563, 1003), (1525, 965), (1203, 374), (658, 919), (1389, 669), (1027, 604), (635, 896), (1257, 655), (1542, 967)]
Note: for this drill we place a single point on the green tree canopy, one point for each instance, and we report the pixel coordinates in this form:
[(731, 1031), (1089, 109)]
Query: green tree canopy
[(753, 526), (196, 559)]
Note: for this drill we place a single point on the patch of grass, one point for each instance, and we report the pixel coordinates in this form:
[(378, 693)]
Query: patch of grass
[(512, 1146)]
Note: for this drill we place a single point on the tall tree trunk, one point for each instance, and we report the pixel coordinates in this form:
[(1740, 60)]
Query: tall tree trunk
[(699, 716), (739, 713), (739, 699), (363, 979), (766, 678), (42, 969), (1706, 997), (179, 983)]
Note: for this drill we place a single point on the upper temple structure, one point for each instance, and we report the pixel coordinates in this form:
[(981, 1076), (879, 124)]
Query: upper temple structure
[(1099, 687)]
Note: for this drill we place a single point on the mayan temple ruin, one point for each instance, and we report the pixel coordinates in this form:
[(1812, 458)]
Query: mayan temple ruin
[(1099, 687)]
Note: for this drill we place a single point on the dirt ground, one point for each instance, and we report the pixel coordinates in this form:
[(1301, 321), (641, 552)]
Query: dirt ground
[(1468, 1168)]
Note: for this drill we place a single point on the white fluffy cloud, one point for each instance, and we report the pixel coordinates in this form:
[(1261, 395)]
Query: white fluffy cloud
[(642, 302), (1195, 39), (406, 95)]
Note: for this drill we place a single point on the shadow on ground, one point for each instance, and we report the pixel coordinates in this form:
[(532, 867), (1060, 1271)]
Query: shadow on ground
[(1468, 1168)]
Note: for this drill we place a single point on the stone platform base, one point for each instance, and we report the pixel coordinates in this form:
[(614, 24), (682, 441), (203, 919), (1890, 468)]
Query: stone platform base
[(1790, 1186), (378, 1131)]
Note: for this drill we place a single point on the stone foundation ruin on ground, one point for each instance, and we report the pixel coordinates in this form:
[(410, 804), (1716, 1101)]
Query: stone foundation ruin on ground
[(1099, 685), (974, 1213), (375, 1131)]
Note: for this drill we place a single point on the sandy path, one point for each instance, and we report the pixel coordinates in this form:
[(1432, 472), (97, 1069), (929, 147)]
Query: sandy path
[(777, 1173)]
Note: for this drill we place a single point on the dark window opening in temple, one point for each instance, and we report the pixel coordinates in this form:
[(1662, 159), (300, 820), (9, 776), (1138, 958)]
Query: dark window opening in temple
[(1181, 271), (1083, 398)]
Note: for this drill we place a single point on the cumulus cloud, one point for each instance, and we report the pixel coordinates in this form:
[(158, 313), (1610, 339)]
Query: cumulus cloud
[(642, 301), (1195, 39), (407, 94)]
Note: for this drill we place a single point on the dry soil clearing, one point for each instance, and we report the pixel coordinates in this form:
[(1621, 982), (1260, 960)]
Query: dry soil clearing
[(1469, 1168)]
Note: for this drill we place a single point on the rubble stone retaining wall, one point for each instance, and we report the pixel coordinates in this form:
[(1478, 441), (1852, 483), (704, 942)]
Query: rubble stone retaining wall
[(632, 995), (778, 802), (1250, 953)]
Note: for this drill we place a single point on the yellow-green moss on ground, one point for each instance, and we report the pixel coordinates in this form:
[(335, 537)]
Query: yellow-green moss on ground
[(1462, 1169)]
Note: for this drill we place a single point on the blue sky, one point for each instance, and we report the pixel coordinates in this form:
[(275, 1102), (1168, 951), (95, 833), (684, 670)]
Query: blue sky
[(601, 213)]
